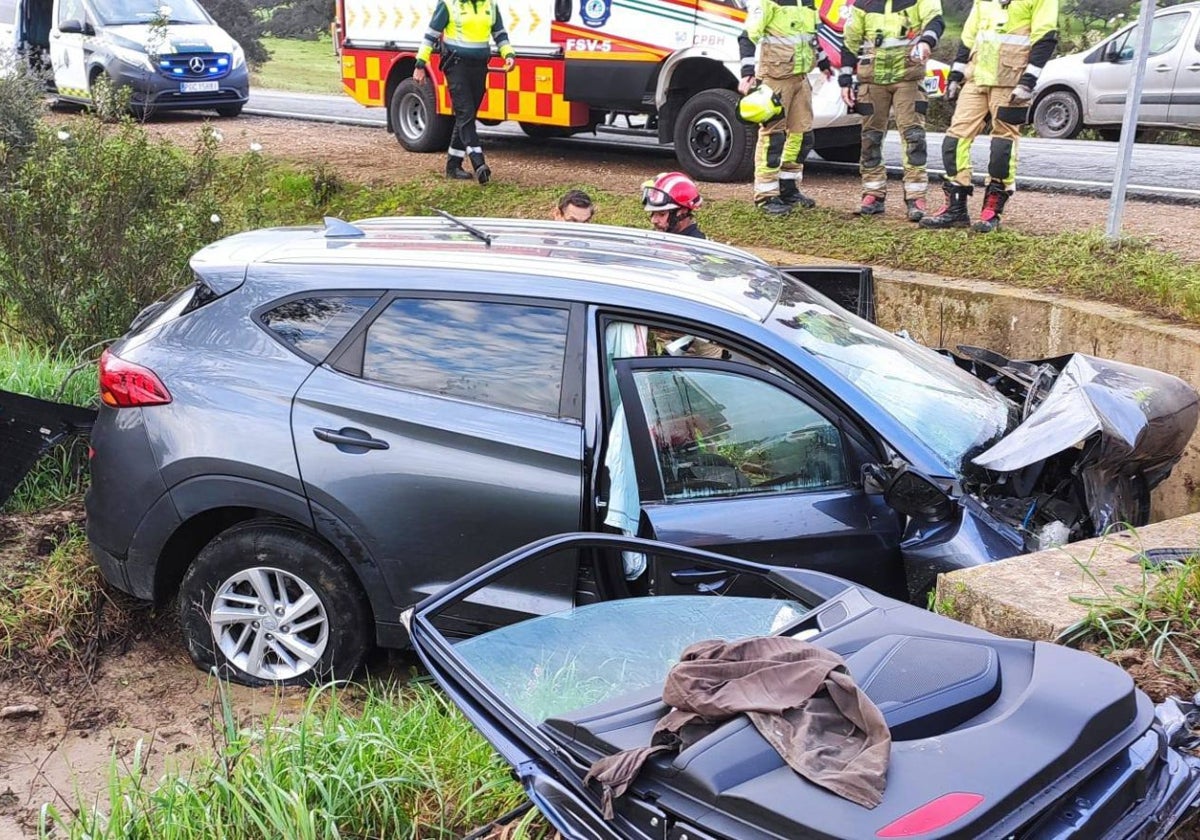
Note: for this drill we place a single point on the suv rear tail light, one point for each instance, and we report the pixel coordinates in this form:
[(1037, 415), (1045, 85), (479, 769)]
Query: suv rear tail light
[(126, 385)]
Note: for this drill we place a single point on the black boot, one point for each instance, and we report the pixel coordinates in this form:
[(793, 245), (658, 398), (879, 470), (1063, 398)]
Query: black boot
[(955, 213), (872, 205), (789, 194), (774, 206), (483, 172), (994, 199), (916, 209), (454, 169)]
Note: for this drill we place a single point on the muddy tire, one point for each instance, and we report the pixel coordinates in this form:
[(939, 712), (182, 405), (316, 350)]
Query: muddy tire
[(266, 603), (415, 120), (711, 142)]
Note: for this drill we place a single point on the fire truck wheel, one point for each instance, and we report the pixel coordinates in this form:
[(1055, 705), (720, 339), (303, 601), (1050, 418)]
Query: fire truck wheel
[(711, 143), (415, 120)]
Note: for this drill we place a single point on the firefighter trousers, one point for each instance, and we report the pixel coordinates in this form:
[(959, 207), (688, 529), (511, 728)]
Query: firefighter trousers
[(975, 105), (467, 81), (907, 100), (777, 155)]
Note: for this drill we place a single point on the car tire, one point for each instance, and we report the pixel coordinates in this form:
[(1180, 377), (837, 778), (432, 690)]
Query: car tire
[(841, 154), (229, 111), (1058, 115), (415, 120), (711, 142), (263, 569)]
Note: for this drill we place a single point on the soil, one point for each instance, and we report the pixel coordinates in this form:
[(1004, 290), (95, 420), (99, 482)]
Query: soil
[(372, 156), (134, 682)]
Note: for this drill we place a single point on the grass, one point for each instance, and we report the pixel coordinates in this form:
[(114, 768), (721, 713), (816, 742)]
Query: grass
[(400, 763), (1162, 618), (299, 66), (62, 475), (1082, 264)]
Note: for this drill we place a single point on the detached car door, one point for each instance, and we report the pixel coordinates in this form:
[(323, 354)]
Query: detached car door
[(444, 432), (734, 458)]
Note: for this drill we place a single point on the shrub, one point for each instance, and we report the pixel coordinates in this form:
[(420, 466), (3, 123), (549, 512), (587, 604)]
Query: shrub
[(303, 19), (243, 25), (99, 222), (22, 95)]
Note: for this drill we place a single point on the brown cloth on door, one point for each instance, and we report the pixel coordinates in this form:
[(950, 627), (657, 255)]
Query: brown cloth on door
[(799, 697)]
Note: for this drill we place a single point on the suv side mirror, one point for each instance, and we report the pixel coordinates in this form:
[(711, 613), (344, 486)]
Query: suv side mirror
[(909, 492)]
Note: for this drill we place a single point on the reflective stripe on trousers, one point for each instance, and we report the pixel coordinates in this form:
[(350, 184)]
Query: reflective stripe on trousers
[(907, 100)]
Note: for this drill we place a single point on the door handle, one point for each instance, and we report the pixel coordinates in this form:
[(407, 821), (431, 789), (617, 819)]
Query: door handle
[(350, 437), (1163, 68), (1194, 67)]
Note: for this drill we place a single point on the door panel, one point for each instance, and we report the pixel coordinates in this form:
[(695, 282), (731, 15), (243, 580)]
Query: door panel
[(66, 50), (1185, 101), (456, 486), (736, 459), (1109, 85)]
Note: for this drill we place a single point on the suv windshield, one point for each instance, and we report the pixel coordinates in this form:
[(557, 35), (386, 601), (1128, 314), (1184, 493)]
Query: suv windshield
[(911, 383), (120, 12)]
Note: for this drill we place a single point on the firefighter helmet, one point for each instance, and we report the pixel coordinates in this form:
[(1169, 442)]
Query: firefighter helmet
[(670, 191), (760, 105)]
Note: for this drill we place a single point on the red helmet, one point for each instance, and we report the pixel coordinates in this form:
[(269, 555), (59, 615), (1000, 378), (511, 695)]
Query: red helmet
[(670, 191)]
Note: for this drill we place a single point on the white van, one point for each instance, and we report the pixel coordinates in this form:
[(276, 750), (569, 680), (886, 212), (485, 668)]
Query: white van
[(1088, 89), (170, 53)]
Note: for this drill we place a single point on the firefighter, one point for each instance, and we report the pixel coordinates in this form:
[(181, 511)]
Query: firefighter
[(888, 42), (465, 28), (671, 198), (1004, 47), (785, 34)]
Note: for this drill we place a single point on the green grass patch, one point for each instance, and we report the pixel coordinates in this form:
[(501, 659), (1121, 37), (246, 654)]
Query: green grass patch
[(1161, 617), (61, 476), (300, 66), (1085, 265), (395, 763)]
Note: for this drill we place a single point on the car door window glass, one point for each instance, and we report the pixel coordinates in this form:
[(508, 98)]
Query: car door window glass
[(719, 433), (314, 325), (503, 354), (1165, 32)]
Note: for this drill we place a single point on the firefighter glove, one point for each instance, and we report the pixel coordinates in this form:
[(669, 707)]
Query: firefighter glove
[(954, 83), (1022, 94)]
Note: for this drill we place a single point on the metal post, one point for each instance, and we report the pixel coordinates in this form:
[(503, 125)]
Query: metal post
[(1133, 101)]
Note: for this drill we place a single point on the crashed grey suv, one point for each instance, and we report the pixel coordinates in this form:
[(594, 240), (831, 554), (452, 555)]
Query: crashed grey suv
[(329, 425)]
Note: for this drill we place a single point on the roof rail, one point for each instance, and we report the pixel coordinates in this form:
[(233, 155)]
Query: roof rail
[(337, 229)]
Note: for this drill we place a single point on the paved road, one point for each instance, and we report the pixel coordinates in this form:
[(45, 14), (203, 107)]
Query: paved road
[(1164, 172)]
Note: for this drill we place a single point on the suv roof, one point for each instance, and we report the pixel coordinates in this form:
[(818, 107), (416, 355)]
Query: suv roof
[(693, 269)]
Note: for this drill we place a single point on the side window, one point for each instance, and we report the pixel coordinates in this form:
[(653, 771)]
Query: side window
[(1165, 32), (503, 354), (313, 325), (719, 433), (70, 10)]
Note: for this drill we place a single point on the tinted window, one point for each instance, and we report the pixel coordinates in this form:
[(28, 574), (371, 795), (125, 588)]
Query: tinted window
[(721, 434), (503, 354), (313, 325)]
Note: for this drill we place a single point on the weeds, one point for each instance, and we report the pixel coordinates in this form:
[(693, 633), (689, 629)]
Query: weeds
[(406, 765)]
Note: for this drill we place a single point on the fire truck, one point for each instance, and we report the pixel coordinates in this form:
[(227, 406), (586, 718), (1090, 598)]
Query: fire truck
[(663, 68)]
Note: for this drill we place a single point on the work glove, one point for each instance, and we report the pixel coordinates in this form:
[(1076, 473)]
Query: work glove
[(1023, 92), (954, 83), (921, 52)]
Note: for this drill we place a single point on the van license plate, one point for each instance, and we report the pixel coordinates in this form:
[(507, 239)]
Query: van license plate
[(198, 87)]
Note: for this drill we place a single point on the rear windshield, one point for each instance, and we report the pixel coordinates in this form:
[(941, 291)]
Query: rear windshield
[(188, 299)]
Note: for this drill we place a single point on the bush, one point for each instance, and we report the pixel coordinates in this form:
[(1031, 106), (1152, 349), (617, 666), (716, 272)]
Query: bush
[(303, 19), (22, 98), (243, 25), (98, 223)]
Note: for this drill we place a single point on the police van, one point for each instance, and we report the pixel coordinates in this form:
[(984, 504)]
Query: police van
[(171, 54)]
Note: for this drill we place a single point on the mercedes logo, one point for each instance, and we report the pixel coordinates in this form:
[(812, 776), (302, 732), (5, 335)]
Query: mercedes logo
[(196, 64)]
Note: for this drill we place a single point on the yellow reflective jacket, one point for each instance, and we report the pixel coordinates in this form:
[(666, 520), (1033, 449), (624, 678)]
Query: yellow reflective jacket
[(466, 27), (999, 37), (786, 35), (880, 36)]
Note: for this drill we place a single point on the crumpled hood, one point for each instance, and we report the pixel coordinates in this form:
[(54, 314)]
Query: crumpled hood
[(180, 37), (1144, 419)]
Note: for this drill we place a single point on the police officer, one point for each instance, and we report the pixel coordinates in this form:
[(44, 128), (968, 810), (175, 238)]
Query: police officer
[(785, 34), (465, 28), (1004, 47), (889, 41)]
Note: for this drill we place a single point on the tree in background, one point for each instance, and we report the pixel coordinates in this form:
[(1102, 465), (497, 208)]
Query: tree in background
[(303, 19), (238, 19)]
